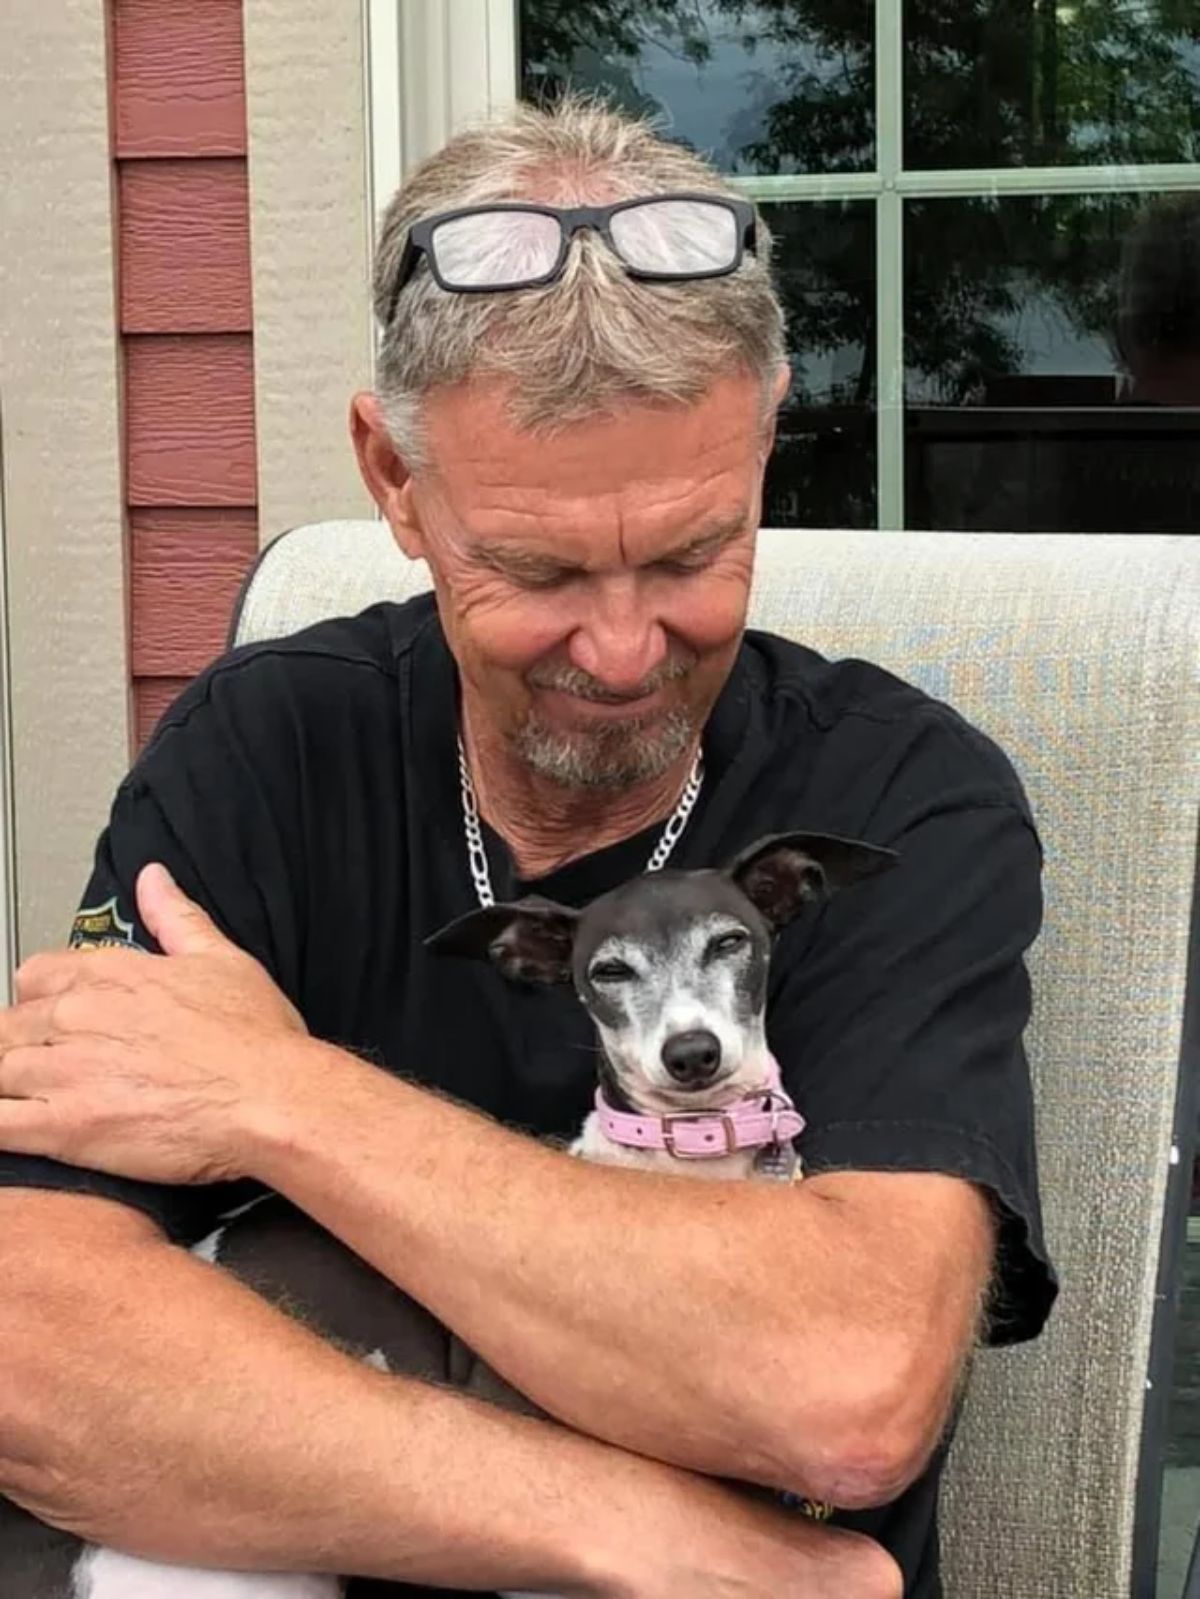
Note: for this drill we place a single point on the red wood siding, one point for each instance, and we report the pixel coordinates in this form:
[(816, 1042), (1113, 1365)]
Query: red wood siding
[(185, 309), (190, 417), (187, 569), (185, 247), (179, 82)]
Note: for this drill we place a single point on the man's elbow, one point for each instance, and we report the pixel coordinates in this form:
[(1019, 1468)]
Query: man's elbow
[(860, 1448), (867, 1472)]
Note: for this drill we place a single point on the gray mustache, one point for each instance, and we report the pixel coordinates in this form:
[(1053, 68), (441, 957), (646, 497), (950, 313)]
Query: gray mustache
[(571, 680)]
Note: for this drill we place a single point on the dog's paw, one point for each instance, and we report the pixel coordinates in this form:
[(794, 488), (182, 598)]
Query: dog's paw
[(108, 1574)]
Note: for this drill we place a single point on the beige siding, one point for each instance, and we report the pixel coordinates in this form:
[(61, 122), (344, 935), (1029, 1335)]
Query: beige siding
[(62, 473), (306, 125)]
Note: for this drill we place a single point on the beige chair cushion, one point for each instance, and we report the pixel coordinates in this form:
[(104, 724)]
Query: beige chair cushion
[(1080, 657)]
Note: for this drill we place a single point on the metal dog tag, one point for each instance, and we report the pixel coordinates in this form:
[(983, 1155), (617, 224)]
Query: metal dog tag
[(777, 1161)]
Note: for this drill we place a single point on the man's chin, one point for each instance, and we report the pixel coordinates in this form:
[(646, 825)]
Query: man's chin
[(612, 755)]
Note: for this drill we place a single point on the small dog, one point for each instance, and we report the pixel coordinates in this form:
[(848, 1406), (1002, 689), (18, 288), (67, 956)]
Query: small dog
[(672, 968)]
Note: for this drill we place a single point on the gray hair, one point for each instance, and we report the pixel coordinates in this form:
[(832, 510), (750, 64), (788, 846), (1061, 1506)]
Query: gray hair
[(579, 347)]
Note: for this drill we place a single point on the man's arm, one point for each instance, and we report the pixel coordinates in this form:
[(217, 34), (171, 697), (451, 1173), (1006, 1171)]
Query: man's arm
[(150, 1402), (808, 1337)]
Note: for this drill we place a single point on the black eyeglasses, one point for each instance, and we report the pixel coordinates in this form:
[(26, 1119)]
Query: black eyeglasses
[(484, 249)]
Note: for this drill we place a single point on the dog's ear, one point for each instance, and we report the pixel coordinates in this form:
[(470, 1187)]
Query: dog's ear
[(530, 941), (780, 874)]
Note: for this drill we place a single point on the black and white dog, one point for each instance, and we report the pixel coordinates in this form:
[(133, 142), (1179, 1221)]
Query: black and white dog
[(672, 967)]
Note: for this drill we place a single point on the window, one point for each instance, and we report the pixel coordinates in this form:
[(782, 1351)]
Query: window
[(990, 228)]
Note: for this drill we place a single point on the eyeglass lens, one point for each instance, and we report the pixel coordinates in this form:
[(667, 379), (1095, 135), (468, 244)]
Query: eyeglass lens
[(675, 236), (668, 236), (496, 247)]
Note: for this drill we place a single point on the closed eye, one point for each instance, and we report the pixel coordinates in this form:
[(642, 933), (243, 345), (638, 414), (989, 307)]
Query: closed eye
[(685, 565), (726, 944), (701, 553), (556, 579), (611, 971), (526, 569), (539, 577)]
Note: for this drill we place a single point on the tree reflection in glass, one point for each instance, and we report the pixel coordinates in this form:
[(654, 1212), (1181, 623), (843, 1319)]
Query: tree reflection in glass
[(766, 87)]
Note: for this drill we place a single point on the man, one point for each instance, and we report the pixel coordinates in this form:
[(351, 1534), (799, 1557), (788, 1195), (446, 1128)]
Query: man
[(571, 428)]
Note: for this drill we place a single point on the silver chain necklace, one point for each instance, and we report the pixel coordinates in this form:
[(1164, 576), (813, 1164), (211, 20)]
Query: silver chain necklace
[(477, 855)]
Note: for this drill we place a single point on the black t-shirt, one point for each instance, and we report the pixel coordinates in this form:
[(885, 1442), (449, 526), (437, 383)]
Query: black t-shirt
[(305, 791)]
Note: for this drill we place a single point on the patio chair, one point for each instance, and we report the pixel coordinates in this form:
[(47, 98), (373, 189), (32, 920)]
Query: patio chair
[(1081, 656)]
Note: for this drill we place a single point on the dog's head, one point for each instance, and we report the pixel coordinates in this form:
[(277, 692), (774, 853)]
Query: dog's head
[(672, 966)]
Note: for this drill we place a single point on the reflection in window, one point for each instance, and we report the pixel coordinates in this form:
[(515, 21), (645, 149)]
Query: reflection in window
[(1052, 363), (822, 472), (758, 88), (1009, 83)]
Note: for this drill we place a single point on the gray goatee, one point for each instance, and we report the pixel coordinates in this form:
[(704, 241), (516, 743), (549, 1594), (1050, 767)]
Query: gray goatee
[(616, 756)]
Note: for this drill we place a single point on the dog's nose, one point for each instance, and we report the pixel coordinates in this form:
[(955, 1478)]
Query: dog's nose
[(692, 1058)]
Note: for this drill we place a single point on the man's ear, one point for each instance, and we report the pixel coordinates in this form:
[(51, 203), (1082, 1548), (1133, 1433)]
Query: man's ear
[(782, 873), (779, 389), (385, 473), (529, 941)]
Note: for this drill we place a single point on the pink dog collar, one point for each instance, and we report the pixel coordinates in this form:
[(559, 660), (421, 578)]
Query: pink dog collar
[(765, 1117)]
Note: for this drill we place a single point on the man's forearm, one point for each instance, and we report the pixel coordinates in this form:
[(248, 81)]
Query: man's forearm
[(163, 1409), (480, 1225), (697, 1322)]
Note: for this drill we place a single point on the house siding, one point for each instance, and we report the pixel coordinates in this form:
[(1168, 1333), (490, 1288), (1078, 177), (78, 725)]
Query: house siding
[(185, 316)]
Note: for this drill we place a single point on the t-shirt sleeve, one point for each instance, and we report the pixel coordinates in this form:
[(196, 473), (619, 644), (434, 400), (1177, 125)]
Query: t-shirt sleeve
[(897, 1017), (194, 802)]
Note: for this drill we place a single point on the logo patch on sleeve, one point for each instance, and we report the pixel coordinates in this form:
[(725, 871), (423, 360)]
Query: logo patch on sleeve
[(101, 927)]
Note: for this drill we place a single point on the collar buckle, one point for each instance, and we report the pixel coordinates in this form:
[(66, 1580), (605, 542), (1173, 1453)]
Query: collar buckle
[(727, 1127)]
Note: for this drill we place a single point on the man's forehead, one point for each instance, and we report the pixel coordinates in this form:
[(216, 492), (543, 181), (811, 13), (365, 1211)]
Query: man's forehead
[(474, 443), (648, 476)]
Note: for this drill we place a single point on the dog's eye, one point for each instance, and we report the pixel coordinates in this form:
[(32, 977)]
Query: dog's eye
[(612, 971), (727, 943)]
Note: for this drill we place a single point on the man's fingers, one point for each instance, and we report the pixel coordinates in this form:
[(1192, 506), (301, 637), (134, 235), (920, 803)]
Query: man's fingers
[(180, 926), (27, 1127), (30, 1071), (40, 1123), (50, 973), (25, 1024), (56, 971), (24, 1124)]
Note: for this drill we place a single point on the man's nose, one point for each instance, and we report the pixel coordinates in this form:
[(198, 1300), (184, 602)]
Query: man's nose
[(619, 641)]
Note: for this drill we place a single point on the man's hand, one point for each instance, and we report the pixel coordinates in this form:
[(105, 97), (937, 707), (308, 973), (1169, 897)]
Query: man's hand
[(707, 1541), (142, 1065)]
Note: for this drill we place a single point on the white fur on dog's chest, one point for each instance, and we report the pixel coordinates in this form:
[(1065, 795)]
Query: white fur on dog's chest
[(109, 1574)]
